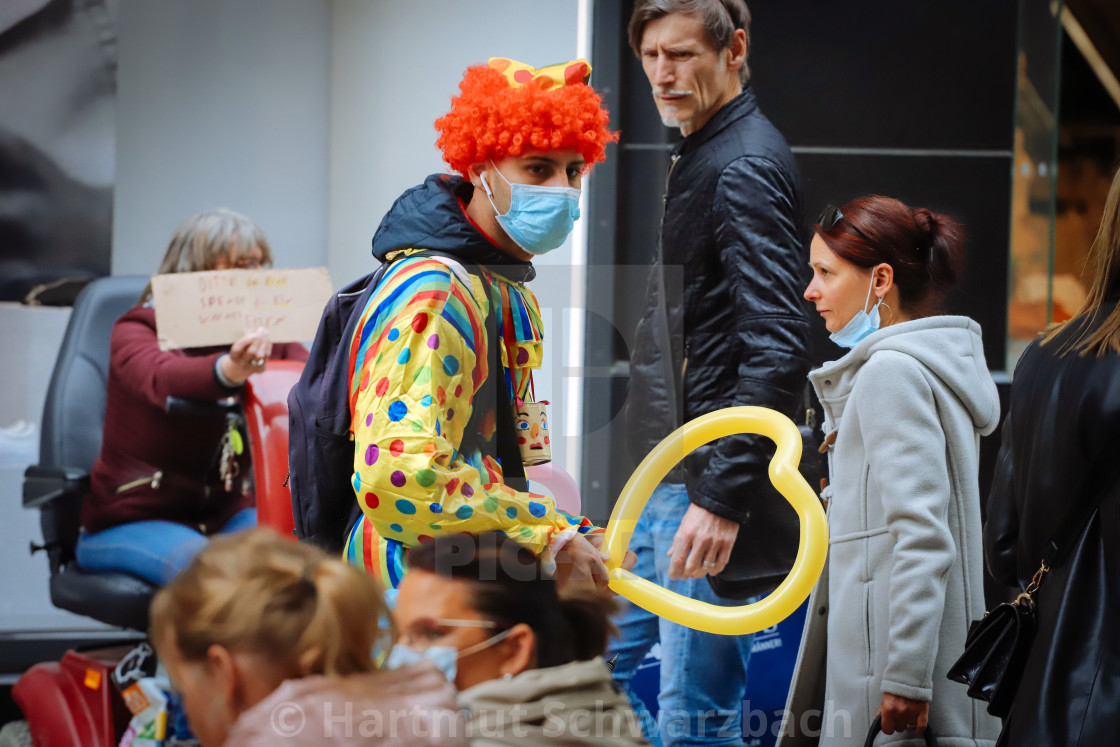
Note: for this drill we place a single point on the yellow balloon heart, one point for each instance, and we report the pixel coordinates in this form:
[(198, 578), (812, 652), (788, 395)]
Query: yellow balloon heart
[(811, 551)]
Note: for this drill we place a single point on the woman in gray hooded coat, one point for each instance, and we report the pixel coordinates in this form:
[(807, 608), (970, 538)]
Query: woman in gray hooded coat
[(903, 414)]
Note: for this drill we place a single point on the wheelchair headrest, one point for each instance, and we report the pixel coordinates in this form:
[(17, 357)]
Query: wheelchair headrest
[(74, 413)]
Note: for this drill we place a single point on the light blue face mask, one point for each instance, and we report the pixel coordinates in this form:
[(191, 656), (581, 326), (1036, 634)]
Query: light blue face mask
[(539, 218), (446, 658), (860, 325)]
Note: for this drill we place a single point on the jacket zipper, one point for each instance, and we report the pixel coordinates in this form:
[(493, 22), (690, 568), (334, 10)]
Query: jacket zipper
[(152, 479), (673, 158), (672, 163)]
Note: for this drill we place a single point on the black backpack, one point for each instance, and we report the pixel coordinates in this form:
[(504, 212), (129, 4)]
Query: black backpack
[(320, 450)]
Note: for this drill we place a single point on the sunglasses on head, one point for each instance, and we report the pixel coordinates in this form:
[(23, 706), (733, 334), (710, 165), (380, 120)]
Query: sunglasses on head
[(831, 215)]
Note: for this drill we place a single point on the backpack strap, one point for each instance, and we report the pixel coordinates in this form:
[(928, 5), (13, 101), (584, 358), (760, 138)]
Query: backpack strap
[(505, 436)]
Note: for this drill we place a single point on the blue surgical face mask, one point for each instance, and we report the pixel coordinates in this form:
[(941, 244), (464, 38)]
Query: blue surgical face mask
[(539, 218), (446, 658), (860, 325)]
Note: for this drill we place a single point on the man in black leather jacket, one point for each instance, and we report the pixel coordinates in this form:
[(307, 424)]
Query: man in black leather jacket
[(723, 327)]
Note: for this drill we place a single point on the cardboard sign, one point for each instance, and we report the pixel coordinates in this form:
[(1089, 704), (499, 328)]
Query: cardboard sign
[(200, 309)]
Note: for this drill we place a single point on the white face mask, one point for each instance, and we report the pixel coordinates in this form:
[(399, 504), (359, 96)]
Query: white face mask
[(861, 324), (446, 658)]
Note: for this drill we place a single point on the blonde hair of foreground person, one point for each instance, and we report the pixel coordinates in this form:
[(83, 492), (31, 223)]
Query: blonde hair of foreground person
[(253, 610), (257, 592)]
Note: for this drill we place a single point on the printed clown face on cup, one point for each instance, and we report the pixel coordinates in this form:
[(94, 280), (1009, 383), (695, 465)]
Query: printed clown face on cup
[(532, 433)]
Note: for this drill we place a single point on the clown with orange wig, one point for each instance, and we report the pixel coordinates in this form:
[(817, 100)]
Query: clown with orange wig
[(446, 347)]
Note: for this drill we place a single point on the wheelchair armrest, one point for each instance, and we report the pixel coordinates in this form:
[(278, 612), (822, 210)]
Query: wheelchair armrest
[(45, 485), (202, 408)]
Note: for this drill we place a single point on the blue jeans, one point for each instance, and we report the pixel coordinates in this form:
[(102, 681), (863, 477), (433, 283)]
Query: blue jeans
[(703, 675), (155, 550)]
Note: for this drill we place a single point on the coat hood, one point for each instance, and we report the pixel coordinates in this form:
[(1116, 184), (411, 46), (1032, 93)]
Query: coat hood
[(428, 216), (950, 347)]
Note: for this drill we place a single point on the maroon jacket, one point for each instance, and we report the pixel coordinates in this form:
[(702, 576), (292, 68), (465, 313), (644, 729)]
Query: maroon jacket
[(141, 439)]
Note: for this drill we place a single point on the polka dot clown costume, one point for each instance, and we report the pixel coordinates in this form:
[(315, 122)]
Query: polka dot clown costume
[(421, 353)]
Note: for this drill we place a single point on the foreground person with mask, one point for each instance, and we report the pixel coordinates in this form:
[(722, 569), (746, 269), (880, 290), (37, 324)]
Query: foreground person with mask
[(904, 412), (447, 345), (528, 663)]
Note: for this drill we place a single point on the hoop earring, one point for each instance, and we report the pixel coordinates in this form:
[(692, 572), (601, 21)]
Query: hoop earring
[(884, 303)]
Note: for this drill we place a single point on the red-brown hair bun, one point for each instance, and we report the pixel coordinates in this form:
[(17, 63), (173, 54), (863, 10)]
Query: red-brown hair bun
[(925, 249)]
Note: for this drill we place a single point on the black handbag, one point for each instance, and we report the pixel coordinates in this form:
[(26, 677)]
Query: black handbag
[(877, 725), (996, 650), (998, 645)]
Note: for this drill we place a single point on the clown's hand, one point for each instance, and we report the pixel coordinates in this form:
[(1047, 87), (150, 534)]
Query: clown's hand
[(628, 561), (579, 566)]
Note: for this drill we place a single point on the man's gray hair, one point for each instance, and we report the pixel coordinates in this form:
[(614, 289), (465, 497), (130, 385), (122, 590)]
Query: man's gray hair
[(721, 19)]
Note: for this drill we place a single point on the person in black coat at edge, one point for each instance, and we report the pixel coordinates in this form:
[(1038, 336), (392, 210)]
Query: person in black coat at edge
[(1058, 453), (724, 326)]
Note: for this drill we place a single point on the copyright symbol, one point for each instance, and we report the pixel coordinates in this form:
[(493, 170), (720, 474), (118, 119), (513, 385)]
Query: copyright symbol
[(287, 719)]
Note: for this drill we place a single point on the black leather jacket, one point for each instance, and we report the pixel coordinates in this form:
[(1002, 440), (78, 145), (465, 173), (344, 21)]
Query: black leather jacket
[(724, 324), (1059, 449)]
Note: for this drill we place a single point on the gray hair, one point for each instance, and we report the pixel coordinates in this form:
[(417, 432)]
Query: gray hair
[(721, 19), (201, 240)]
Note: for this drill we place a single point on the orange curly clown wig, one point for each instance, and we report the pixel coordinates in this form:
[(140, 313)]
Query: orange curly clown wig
[(492, 119)]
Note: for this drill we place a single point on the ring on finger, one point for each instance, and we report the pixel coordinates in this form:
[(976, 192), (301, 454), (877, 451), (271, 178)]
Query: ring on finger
[(258, 362), (707, 564)]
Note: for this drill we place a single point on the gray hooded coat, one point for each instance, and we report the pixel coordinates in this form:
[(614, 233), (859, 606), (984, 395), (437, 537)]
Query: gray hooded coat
[(904, 576)]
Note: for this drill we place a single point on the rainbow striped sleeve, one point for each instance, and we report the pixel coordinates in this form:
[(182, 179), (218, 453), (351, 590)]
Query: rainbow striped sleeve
[(413, 290)]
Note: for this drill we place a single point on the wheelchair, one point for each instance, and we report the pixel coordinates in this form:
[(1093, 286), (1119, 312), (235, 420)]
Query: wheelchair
[(73, 702)]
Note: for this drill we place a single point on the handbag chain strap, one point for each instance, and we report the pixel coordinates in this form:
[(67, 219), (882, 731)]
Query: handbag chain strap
[(1026, 599)]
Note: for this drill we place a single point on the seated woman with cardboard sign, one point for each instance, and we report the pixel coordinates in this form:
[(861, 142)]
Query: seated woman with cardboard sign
[(166, 480)]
